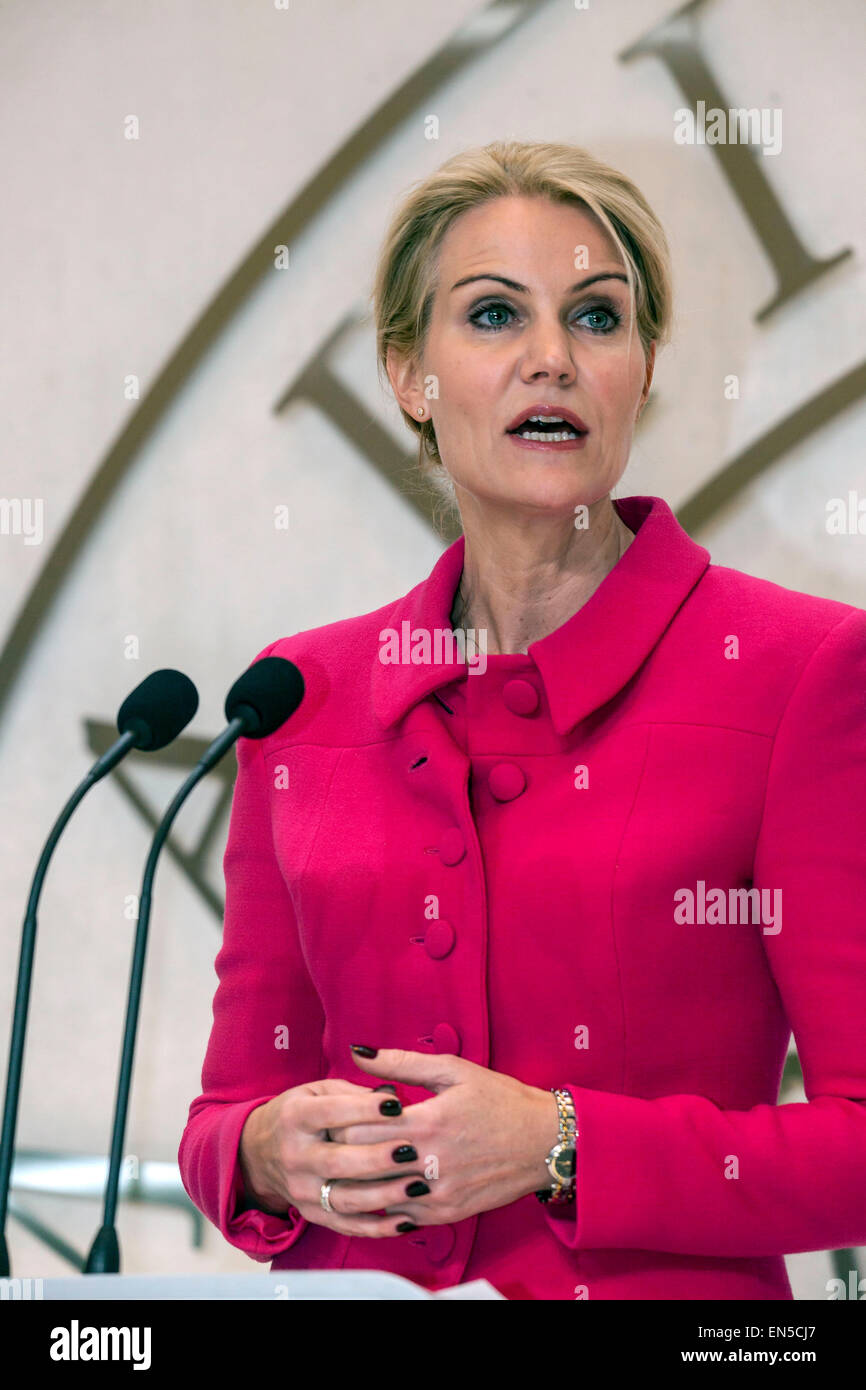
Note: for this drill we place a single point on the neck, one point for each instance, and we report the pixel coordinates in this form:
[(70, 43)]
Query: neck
[(521, 588)]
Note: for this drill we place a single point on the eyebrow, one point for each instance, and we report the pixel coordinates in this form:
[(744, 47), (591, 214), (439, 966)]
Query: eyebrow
[(522, 289)]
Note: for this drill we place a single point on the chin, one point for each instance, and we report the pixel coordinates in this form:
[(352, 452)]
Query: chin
[(554, 495)]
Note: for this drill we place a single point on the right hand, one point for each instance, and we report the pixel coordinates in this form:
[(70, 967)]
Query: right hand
[(285, 1156)]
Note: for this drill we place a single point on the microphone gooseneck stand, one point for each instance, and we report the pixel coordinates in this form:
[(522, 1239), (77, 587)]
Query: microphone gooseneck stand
[(104, 1256), (25, 973)]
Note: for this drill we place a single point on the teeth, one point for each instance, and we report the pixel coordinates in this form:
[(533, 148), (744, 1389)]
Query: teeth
[(554, 436)]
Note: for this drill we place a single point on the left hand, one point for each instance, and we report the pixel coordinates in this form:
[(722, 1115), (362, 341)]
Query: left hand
[(481, 1139)]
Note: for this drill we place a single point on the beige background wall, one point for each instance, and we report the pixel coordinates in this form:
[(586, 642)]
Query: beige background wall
[(112, 248)]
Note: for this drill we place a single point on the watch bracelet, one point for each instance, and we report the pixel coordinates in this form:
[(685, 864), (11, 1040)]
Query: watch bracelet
[(560, 1191)]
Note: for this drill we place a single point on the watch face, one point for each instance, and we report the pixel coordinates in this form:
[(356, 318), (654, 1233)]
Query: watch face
[(564, 1163)]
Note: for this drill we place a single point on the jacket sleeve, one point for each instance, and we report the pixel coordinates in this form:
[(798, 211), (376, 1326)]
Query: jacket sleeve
[(656, 1174), (263, 989)]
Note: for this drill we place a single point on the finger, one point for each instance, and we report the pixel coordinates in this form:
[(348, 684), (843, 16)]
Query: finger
[(365, 1224), (420, 1117), (376, 1222), (366, 1163), (379, 1133), (336, 1110), (386, 1087), (334, 1086), (355, 1198), (433, 1071)]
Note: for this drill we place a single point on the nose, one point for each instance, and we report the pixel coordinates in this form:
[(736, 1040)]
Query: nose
[(548, 350)]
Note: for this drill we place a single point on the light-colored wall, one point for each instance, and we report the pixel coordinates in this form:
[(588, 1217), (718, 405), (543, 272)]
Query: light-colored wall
[(111, 250)]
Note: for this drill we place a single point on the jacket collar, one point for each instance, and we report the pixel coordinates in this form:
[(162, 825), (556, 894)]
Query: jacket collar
[(587, 660)]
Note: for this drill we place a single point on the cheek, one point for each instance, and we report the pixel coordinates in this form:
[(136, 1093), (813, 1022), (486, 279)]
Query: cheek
[(469, 396), (455, 390), (619, 382), (467, 362)]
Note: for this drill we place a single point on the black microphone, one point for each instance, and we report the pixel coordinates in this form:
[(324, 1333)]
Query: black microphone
[(149, 718), (260, 701)]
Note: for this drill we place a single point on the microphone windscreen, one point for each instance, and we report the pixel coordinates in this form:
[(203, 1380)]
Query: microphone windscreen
[(265, 695), (158, 708)]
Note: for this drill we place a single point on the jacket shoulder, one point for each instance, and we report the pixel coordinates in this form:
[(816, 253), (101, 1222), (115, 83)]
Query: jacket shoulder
[(345, 641), (335, 661), (786, 618)]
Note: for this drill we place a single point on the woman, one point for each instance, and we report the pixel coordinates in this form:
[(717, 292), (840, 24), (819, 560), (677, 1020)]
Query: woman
[(569, 896)]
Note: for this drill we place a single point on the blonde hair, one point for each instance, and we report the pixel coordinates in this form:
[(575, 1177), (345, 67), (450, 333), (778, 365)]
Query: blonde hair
[(406, 274)]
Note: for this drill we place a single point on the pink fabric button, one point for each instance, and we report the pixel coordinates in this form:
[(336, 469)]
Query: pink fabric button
[(451, 847), (438, 1242), (506, 781), (446, 1039), (520, 696), (440, 939)]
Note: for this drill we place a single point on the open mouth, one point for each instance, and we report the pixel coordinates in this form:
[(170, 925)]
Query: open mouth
[(543, 423), (547, 427)]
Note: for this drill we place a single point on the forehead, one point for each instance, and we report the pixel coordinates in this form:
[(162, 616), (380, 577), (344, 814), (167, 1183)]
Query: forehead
[(513, 233)]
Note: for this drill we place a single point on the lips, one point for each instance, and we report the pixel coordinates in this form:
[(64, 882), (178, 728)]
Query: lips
[(558, 411)]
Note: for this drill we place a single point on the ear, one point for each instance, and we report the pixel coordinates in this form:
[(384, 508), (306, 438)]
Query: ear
[(650, 368), (405, 378)]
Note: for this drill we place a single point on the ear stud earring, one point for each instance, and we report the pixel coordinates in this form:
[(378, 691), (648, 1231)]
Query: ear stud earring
[(420, 410)]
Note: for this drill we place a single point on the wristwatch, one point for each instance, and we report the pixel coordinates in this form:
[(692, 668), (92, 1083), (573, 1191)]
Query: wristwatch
[(562, 1159)]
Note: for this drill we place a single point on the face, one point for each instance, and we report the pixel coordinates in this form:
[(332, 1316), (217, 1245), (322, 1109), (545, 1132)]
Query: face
[(515, 325)]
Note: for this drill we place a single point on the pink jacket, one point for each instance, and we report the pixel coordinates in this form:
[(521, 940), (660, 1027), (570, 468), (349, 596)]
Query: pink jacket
[(583, 816)]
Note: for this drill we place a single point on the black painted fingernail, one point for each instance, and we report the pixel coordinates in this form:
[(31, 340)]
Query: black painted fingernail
[(390, 1107), (406, 1226), (417, 1189), (405, 1154), (364, 1051), (386, 1087)]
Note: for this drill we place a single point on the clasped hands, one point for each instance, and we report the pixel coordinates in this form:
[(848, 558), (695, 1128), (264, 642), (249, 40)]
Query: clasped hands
[(481, 1139)]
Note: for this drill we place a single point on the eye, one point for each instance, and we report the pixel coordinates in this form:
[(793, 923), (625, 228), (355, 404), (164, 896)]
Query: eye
[(605, 308), (493, 306)]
